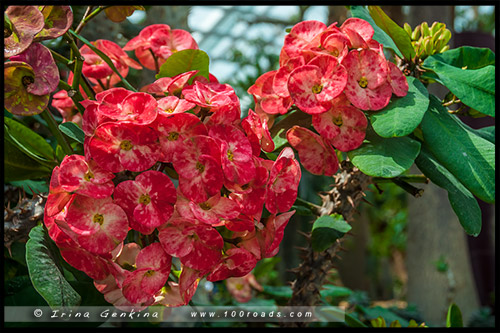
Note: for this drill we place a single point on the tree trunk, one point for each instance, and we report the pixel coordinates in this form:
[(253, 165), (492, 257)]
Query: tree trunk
[(435, 234)]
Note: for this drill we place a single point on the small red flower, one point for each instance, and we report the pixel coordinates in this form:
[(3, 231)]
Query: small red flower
[(343, 126), (236, 262), (123, 105), (236, 153), (316, 155), (148, 200), (212, 211), (100, 224), (315, 84), (257, 133), (197, 161), (283, 183), (78, 175), (174, 129), (151, 274), (367, 84), (266, 97), (122, 146), (196, 244)]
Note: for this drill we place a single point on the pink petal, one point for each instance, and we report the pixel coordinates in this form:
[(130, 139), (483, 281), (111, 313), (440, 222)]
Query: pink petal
[(316, 155)]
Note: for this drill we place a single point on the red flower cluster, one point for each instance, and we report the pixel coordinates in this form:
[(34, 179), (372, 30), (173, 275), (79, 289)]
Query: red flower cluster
[(334, 74), (162, 177)]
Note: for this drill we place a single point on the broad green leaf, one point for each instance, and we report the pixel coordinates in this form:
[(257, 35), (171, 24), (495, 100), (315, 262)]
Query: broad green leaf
[(487, 133), (46, 276), (38, 186), (185, 61), (468, 56), (468, 156), (473, 85), (454, 316), (461, 199), (379, 35), (403, 114), (382, 157), (31, 143), (19, 166), (326, 230), (73, 131), (397, 34)]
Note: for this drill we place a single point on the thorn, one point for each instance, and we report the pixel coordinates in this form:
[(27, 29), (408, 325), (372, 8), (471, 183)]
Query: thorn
[(305, 234), (368, 202), (349, 198), (300, 248)]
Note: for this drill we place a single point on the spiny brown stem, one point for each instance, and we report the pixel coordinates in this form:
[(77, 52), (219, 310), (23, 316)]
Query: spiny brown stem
[(312, 273)]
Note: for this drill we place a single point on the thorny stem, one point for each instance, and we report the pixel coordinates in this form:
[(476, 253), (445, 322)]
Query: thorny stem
[(54, 129), (346, 194)]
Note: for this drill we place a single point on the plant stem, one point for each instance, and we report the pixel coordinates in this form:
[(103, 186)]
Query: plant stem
[(301, 202), (87, 17), (408, 179), (54, 129), (75, 95)]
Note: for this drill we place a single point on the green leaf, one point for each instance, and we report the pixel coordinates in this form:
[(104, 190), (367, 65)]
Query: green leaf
[(278, 291), (330, 290), (185, 61), (73, 131), (352, 321), (469, 157), (454, 316), (397, 34), (472, 57), (387, 158), (473, 83), (38, 186), (326, 230), (19, 166), (487, 133), (46, 276), (386, 314), (27, 141), (461, 199), (379, 35), (403, 114)]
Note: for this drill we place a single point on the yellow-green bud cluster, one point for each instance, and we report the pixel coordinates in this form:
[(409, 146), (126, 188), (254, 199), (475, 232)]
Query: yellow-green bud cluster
[(429, 40)]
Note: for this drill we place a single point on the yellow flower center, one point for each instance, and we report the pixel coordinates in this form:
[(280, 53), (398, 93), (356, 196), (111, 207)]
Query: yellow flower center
[(335, 53), (317, 88), (337, 121), (144, 199), (230, 155), (98, 218), (88, 176), (149, 273), (205, 206), (200, 167), (363, 82), (126, 145), (173, 136)]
